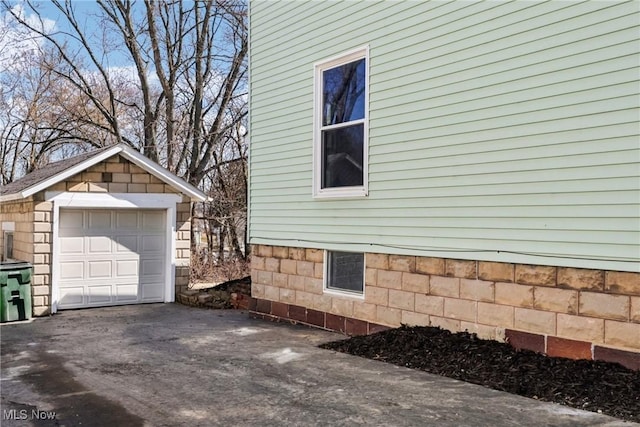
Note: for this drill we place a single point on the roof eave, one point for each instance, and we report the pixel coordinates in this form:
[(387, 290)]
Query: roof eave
[(67, 173), (127, 152)]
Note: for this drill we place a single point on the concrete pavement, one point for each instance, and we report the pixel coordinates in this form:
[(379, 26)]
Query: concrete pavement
[(171, 365)]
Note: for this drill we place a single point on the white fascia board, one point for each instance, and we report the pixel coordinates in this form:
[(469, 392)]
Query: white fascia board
[(163, 174), (113, 200)]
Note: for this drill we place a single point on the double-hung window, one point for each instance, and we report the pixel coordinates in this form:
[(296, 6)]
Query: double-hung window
[(341, 126)]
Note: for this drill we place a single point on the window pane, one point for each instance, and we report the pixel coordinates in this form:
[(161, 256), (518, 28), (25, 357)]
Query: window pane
[(342, 156), (8, 238), (343, 93), (346, 271)]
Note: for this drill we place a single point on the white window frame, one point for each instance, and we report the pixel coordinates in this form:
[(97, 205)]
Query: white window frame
[(338, 292), (355, 191), (8, 227)]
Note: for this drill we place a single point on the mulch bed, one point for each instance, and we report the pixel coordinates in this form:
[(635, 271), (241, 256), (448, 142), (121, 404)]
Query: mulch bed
[(603, 387)]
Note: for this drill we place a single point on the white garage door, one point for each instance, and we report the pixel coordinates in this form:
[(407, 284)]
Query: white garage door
[(111, 257)]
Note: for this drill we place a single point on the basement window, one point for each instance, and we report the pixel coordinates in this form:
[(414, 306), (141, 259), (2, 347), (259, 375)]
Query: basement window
[(7, 240), (8, 245), (344, 272)]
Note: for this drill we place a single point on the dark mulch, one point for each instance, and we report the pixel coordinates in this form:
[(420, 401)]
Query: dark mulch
[(596, 386)]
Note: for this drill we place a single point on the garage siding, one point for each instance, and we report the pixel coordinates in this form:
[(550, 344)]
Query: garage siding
[(20, 213), (32, 243)]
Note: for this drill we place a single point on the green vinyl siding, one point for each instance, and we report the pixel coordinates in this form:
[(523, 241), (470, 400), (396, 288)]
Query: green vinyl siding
[(501, 131)]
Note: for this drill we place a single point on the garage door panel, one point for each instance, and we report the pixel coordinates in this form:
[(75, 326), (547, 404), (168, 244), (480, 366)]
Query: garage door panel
[(153, 220), (127, 244), (72, 296), (99, 219), (152, 291), (72, 219), (127, 220), (72, 245), (71, 270), (127, 292), (99, 270), (99, 294), (126, 268), (151, 268), (110, 257), (152, 244), (151, 282), (99, 245)]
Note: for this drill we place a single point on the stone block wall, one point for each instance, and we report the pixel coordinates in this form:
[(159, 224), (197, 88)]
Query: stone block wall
[(20, 213), (42, 249), (114, 175), (183, 244), (560, 311), (32, 243)]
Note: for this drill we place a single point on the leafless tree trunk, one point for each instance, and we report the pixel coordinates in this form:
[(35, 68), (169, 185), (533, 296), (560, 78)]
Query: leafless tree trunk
[(183, 104), (187, 47)]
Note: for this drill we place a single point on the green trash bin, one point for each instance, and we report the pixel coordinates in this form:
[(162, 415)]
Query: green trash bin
[(15, 291)]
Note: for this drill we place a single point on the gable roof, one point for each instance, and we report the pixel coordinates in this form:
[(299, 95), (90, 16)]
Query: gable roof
[(53, 173)]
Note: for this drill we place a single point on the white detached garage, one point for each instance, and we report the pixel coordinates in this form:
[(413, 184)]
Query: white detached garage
[(104, 228)]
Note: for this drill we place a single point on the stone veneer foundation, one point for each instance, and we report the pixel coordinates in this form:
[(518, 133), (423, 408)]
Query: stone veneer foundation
[(558, 311)]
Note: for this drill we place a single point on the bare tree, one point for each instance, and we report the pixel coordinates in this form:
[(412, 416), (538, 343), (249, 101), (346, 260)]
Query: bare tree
[(225, 219), (182, 102), (33, 126), (190, 64)]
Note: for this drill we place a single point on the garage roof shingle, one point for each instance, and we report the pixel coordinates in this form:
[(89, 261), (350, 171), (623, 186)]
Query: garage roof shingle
[(47, 172)]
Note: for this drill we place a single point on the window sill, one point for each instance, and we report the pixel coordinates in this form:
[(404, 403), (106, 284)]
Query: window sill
[(341, 193), (338, 293)]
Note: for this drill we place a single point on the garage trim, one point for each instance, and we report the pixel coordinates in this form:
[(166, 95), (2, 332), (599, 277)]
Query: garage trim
[(166, 202)]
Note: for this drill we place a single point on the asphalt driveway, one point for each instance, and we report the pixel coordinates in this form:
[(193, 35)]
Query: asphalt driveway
[(171, 365)]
